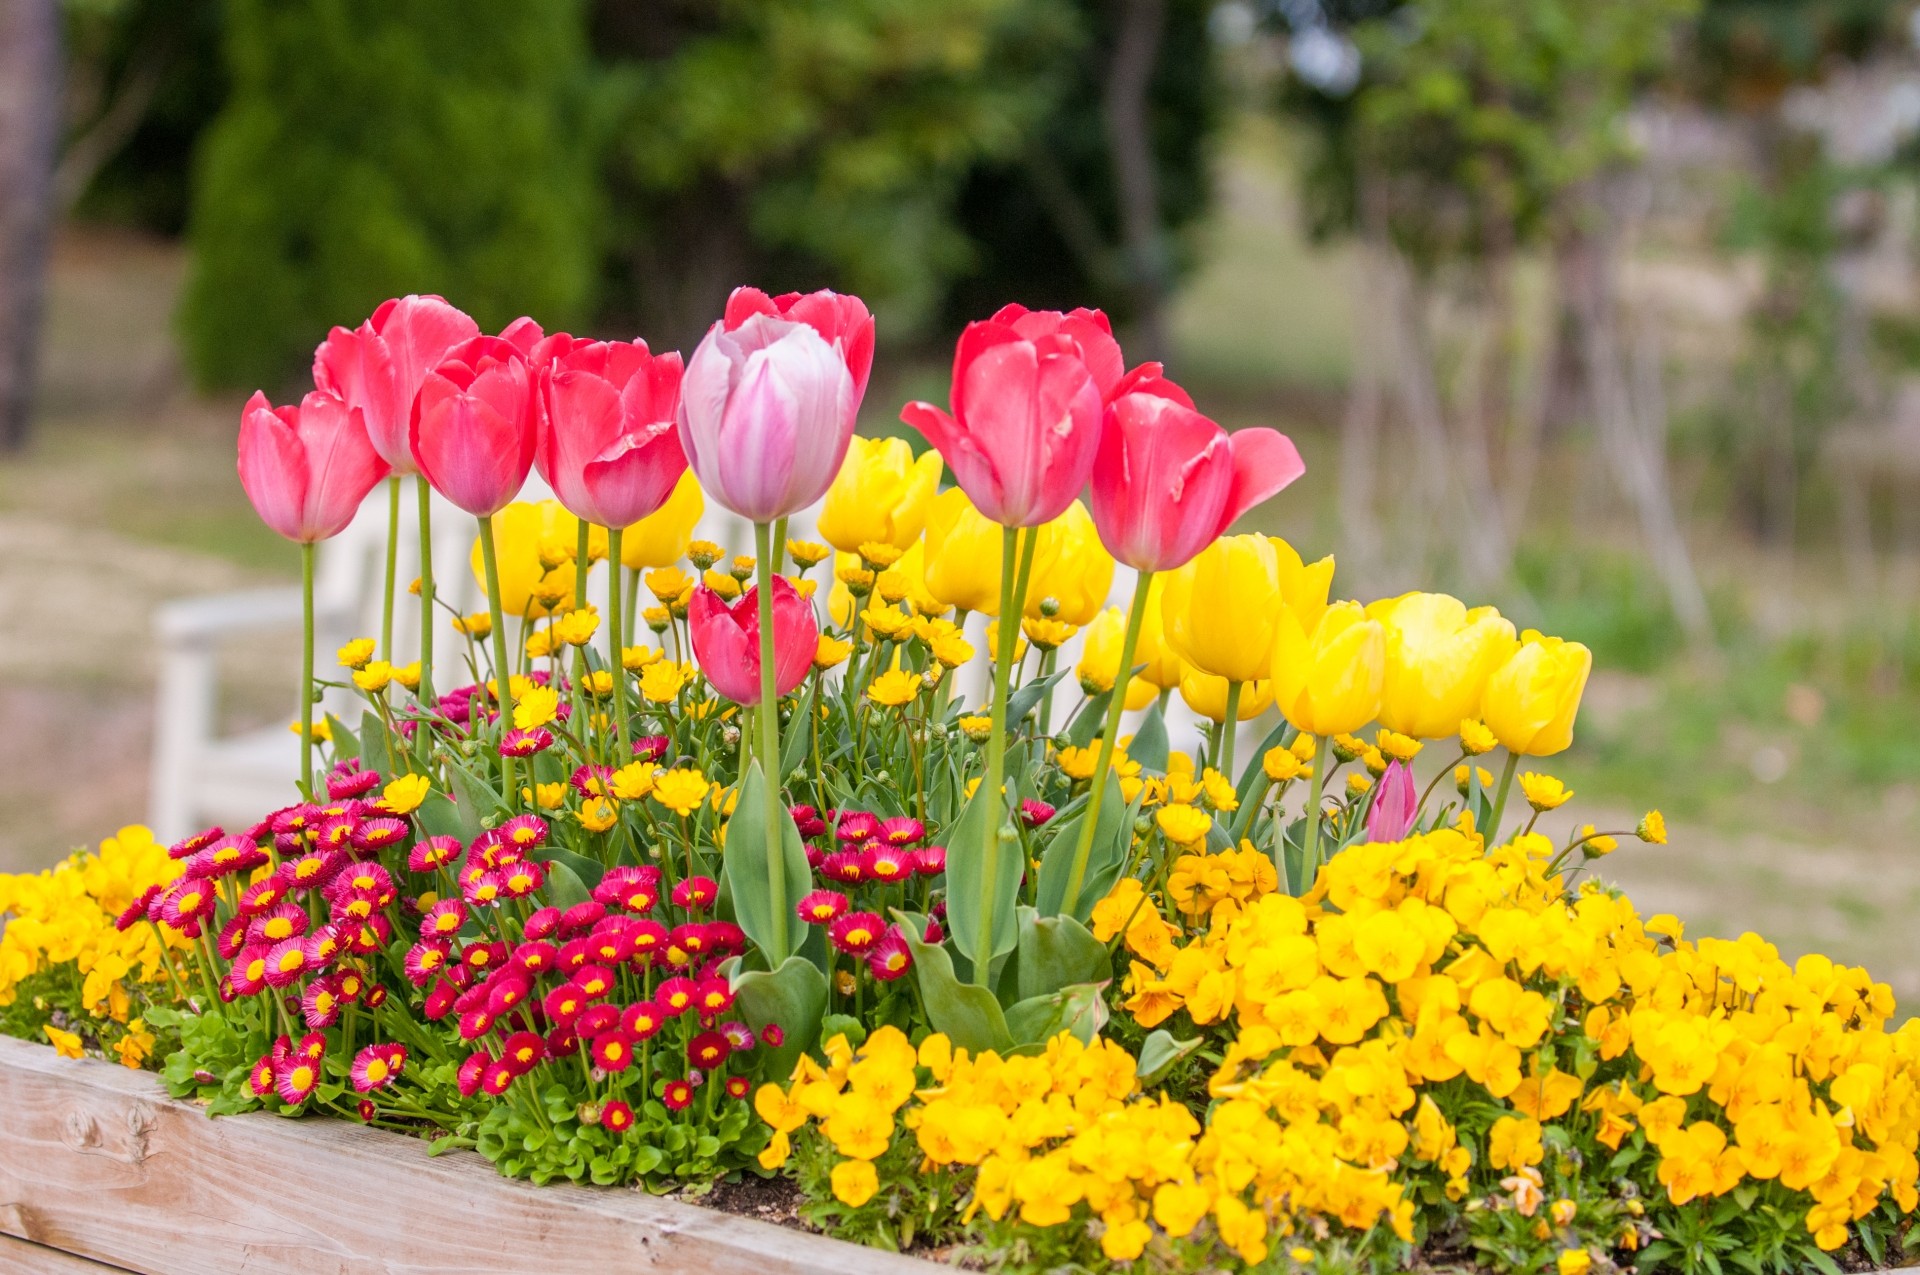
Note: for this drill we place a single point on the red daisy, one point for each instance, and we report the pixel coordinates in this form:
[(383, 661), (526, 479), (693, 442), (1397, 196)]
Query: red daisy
[(642, 1020), (676, 996), (846, 866), (440, 1000), (348, 780), (496, 1078), (521, 879), (902, 831), (505, 991), (708, 1050), (484, 888), (1035, 813), (890, 957), (772, 1036), (696, 894), (739, 1036), (443, 919), (376, 995), (320, 1005), (930, 861), (856, 825), (692, 939), (651, 747), (712, 997), (646, 938), (616, 1117), (379, 833), (564, 1004), (472, 1071), (535, 957), (525, 743), (610, 946), (434, 852), (261, 1078), (276, 924), (523, 1051), (286, 961), (295, 1079), (582, 917), (887, 864), (822, 907), (523, 832), (190, 899), (737, 1086), (376, 1066), (475, 1023), (677, 1095), (562, 1043), (856, 932), (542, 924), (261, 895), (596, 1019), (594, 981), (195, 844), (612, 1050), (425, 959)]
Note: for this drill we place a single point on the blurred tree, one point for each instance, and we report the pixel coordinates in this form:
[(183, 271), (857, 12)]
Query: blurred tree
[(799, 142), (374, 147), (29, 131)]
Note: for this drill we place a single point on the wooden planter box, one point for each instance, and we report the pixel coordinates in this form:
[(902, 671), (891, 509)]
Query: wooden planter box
[(100, 1170)]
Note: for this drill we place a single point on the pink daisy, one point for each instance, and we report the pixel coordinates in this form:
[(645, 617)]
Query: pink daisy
[(890, 957), (376, 1066)]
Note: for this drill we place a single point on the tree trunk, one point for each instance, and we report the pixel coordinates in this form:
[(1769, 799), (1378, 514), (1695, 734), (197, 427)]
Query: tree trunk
[(1136, 48), (29, 134)]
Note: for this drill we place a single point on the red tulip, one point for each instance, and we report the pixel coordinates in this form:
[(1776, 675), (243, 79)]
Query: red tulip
[(307, 468), (609, 445), (1027, 392), (379, 366), (1168, 482), (473, 425), (726, 640), (836, 317)]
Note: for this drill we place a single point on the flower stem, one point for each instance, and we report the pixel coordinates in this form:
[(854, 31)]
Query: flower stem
[(1500, 799), (1009, 621), (1116, 704), (770, 744), (306, 670), (393, 547), (616, 634), (779, 545), (502, 671), (425, 692), (1310, 860), (1230, 728)]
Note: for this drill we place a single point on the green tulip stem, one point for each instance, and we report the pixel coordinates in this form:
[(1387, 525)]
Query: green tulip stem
[(306, 670), (580, 563), (1230, 728), (779, 545), (1116, 704), (769, 723), (1009, 621), (393, 553), (633, 593), (425, 691), (583, 547), (502, 671), (1500, 799), (615, 636), (1310, 858)]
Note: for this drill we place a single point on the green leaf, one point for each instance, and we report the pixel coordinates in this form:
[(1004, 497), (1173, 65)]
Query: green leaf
[(588, 870), (1161, 1051), (477, 795), (442, 818), (797, 742), (1057, 952), (1093, 715), (745, 860), (967, 875), (564, 886), (345, 742), (843, 1025), (1027, 698), (794, 997), (1080, 1009), (1106, 858), (1255, 772), (969, 1015), (1150, 745), (373, 744)]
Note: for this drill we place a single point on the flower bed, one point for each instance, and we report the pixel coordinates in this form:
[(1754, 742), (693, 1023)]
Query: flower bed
[(768, 897)]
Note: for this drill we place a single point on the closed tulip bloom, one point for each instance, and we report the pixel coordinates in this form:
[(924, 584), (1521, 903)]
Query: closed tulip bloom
[(473, 432), (1394, 805), (527, 536), (1100, 658), (1206, 695), (609, 441), (380, 366), (726, 640), (1167, 482), (842, 321), (1071, 566), (1439, 656), (962, 554), (1220, 609), (307, 468), (1303, 585), (1026, 405), (880, 495), (661, 538), (1327, 682), (768, 404), (1531, 700)]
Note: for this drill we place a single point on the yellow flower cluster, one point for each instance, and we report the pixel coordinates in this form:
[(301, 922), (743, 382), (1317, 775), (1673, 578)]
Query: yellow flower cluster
[(1411, 964), (66, 915)]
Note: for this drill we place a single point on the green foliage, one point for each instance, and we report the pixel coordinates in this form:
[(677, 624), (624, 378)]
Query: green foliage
[(914, 1205), (370, 149)]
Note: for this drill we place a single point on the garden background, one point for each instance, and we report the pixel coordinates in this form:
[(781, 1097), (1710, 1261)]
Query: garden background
[(1608, 311)]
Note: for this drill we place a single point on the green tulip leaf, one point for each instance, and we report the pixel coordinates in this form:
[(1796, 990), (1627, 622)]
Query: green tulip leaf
[(1057, 952), (588, 870), (475, 795), (564, 887), (1161, 1051), (1106, 858), (969, 1015), (373, 744), (1080, 1009), (1150, 745), (745, 857), (345, 742), (793, 997), (1093, 716), (1027, 698), (442, 818), (967, 875), (798, 741)]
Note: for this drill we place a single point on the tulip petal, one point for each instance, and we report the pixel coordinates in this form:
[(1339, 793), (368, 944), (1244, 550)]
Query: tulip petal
[(1265, 461), (273, 468)]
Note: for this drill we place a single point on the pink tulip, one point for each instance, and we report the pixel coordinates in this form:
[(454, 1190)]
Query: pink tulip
[(473, 429), (1026, 411), (726, 640), (839, 319), (307, 468), (1167, 481), (1393, 805), (379, 366), (608, 442), (767, 407)]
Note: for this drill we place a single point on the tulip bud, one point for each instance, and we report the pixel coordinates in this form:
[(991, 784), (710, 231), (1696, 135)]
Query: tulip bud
[(1220, 609), (1531, 700), (880, 495), (1328, 682)]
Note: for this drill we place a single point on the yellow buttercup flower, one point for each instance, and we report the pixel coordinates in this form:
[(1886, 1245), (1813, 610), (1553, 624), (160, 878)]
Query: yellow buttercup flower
[(538, 706), (1463, 778), (577, 628), (976, 727), (895, 688), (1396, 746), (597, 683), (885, 621), (1531, 700), (539, 645), (1283, 767), (1438, 658), (704, 553), (681, 791), (661, 538), (356, 653), (1219, 611), (1475, 738), (993, 645), (477, 625), (1182, 824), (724, 585), (1652, 829), (635, 658), (878, 555), (880, 495), (806, 554), (374, 677), (951, 650), (408, 675), (597, 814), (550, 796), (322, 728), (831, 651), (1544, 792), (662, 681), (1046, 634), (1327, 681), (403, 795), (668, 583)]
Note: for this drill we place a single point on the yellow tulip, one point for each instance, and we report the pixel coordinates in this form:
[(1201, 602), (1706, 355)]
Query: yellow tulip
[(1439, 655), (1100, 658), (1206, 695), (1163, 664), (880, 495), (1072, 567), (526, 537), (661, 538), (1303, 585), (1531, 700), (1328, 682), (962, 554), (1221, 609)]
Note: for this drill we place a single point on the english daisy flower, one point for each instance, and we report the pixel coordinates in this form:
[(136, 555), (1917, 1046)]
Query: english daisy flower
[(376, 1066)]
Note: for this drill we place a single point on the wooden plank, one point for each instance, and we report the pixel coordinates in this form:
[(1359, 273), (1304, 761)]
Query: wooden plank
[(96, 1160), (18, 1257)]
